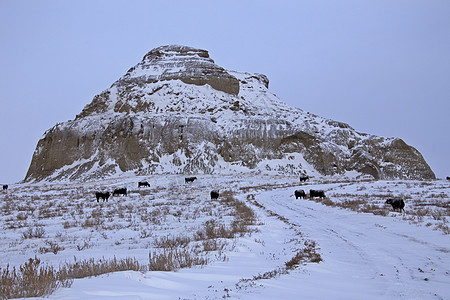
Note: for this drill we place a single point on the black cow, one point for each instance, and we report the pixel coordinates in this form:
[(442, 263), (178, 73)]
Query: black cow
[(316, 193), (448, 177), (397, 203), (122, 191), (304, 178), (143, 183), (214, 195), (189, 179), (300, 194), (102, 195), (5, 187)]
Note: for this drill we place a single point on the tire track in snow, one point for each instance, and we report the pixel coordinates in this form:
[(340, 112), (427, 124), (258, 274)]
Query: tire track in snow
[(387, 260)]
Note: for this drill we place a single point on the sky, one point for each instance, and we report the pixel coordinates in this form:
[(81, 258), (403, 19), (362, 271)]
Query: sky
[(382, 66)]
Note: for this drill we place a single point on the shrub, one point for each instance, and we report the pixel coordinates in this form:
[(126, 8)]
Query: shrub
[(307, 254), (52, 247), (442, 226), (374, 209), (85, 245), (92, 267), (92, 222), (69, 224), (21, 216), (174, 259), (144, 233), (30, 280), (34, 280), (37, 232), (172, 242), (328, 202), (213, 245)]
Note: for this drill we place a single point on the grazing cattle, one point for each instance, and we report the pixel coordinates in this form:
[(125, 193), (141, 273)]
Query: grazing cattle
[(102, 195), (189, 179), (122, 191), (214, 195), (5, 187), (397, 203), (448, 177), (304, 178), (316, 193), (300, 194), (143, 183)]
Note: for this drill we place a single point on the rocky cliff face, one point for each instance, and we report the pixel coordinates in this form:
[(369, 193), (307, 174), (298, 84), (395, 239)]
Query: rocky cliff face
[(178, 112)]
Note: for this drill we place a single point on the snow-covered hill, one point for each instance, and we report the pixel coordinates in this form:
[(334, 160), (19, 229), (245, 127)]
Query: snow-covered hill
[(178, 112), (357, 250)]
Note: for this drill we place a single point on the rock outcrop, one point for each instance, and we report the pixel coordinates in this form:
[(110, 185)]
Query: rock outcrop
[(178, 112)]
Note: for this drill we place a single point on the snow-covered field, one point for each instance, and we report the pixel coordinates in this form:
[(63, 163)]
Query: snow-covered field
[(351, 245)]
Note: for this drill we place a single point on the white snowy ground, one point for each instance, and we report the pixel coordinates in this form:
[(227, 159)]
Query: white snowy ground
[(365, 256)]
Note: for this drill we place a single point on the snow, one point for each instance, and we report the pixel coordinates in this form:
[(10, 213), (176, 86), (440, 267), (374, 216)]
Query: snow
[(368, 256), (365, 256)]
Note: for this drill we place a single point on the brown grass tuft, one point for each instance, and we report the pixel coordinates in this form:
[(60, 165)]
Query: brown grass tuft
[(35, 280), (30, 280), (174, 259)]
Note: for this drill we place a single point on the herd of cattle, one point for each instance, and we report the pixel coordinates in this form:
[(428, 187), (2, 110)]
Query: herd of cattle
[(397, 203), (123, 191), (312, 194), (117, 192)]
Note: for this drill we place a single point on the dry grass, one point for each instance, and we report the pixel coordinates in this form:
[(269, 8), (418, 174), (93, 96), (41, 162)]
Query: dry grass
[(51, 247), (182, 251), (214, 245), (93, 267), (171, 242), (34, 232), (443, 227), (29, 280), (174, 259), (187, 251), (307, 254), (212, 229), (374, 209), (35, 280)]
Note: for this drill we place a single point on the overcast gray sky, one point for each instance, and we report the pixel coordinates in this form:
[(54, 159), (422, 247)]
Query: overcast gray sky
[(382, 66)]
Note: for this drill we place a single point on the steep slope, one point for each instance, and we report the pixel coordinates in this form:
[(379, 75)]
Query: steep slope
[(178, 112)]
